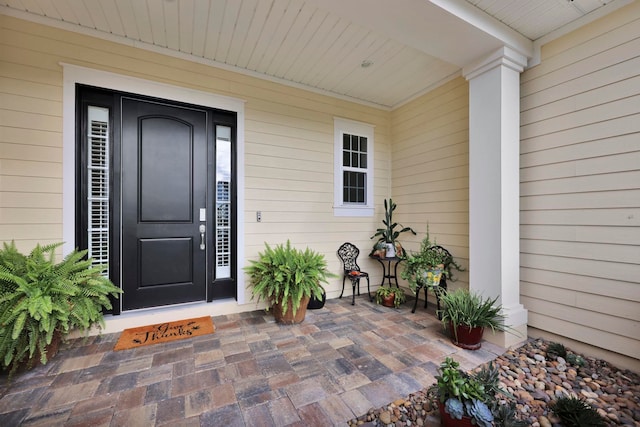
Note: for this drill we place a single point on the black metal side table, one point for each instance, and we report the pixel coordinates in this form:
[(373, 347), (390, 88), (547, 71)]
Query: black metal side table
[(389, 264)]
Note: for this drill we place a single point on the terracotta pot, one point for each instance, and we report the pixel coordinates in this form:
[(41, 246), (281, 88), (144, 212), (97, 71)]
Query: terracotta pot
[(447, 421), (288, 317), (388, 300), (468, 338)]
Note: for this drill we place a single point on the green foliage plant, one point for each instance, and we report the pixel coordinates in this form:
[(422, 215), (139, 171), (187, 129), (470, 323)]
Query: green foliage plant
[(39, 298), (474, 395), (574, 412), (425, 267), (385, 291), (391, 230), (555, 349), (284, 273), (462, 307)]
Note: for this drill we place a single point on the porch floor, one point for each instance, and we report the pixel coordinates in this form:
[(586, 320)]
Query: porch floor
[(340, 362)]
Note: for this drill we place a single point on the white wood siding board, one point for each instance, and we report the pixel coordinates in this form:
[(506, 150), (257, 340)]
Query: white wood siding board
[(297, 118), (625, 217), (439, 124), (572, 233), (558, 55), (14, 199), (582, 250), (598, 131), (629, 161), (435, 144), (598, 96), (142, 19), (266, 39), (327, 32), (616, 325), (36, 106), (581, 267), (214, 26), (199, 28), (27, 121), (606, 286), (29, 152), (95, 15), (35, 137), (548, 293), (600, 200), (310, 19), (591, 149), (171, 24), (604, 77), (186, 25), (30, 231), (299, 225), (452, 161), (260, 172), (279, 44), (30, 216), (25, 73), (307, 208), (30, 184), (65, 10), (434, 196), (383, 57), (289, 148), (586, 334), (441, 184), (619, 308), (246, 31), (321, 140), (79, 10), (227, 30), (299, 183), (341, 53), (287, 196), (583, 66), (597, 114), (581, 184), (47, 8), (31, 168), (156, 19), (284, 163), (369, 46), (128, 20), (112, 16)]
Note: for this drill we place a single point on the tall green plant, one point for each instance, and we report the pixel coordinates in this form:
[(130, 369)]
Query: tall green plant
[(39, 297), (284, 273), (390, 232)]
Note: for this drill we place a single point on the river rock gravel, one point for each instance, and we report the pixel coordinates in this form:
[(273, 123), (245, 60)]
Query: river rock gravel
[(535, 379)]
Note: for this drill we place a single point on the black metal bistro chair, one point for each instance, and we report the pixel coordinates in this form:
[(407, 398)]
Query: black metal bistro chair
[(348, 254), (443, 280)]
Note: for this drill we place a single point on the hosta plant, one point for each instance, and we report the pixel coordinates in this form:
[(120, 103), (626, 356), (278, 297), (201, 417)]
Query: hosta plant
[(40, 298)]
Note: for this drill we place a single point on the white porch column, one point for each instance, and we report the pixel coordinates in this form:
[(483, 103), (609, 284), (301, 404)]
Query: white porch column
[(494, 170)]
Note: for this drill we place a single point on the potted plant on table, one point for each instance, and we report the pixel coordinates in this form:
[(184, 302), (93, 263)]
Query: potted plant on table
[(426, 267), (389, 233), (41, 301), (287, 278), (465, 399), (467, 314), (390, 297)]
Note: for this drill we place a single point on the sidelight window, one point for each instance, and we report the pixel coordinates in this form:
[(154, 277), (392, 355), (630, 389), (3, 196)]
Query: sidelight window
[(223, 202)]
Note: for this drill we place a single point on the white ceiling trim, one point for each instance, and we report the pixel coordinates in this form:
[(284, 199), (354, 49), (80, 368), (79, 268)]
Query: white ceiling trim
[(63, 25)]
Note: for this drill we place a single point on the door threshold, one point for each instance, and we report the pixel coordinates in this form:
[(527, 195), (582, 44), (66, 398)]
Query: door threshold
[(155, 315)]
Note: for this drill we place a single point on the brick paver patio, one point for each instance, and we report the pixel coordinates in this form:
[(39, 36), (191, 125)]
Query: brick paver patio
[(336, 365)]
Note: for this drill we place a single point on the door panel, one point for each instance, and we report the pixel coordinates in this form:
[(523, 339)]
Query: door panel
[(163, 186)]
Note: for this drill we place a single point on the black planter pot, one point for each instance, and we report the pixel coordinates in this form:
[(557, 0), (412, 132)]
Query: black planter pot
[(316, 303)]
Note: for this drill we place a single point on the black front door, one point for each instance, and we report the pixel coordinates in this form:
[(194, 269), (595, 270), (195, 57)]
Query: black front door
[(164, 199)]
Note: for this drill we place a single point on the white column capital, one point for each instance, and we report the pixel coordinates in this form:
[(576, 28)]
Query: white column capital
[(505, 56)]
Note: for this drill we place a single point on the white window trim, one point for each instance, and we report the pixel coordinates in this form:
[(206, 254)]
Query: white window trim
[(340, 127)]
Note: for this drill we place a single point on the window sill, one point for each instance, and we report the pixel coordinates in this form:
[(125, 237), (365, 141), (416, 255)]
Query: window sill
[(353, 211)]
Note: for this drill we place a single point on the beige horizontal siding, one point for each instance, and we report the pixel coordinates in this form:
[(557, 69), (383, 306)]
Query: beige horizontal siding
[(288, 142), (580, 185), (431, 169)]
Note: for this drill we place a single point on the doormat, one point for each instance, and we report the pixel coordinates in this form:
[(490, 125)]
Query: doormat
[(164, 332)]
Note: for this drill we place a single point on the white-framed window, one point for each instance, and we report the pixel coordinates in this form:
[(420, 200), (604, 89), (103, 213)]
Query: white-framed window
[(353, 173)]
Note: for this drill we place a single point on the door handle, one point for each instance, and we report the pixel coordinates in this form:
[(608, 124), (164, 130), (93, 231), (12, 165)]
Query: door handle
[(203, 230)]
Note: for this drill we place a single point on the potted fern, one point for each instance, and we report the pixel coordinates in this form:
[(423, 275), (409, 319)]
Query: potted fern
[(287, 278), (41, 301)]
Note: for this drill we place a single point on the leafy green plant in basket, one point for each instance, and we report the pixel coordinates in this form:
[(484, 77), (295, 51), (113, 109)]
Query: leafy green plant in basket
[(40, 299), (287, 278), (425, 267), (384, 292)]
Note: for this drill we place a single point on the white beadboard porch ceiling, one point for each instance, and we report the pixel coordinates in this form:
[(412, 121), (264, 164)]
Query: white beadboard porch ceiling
[(410, 46)]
